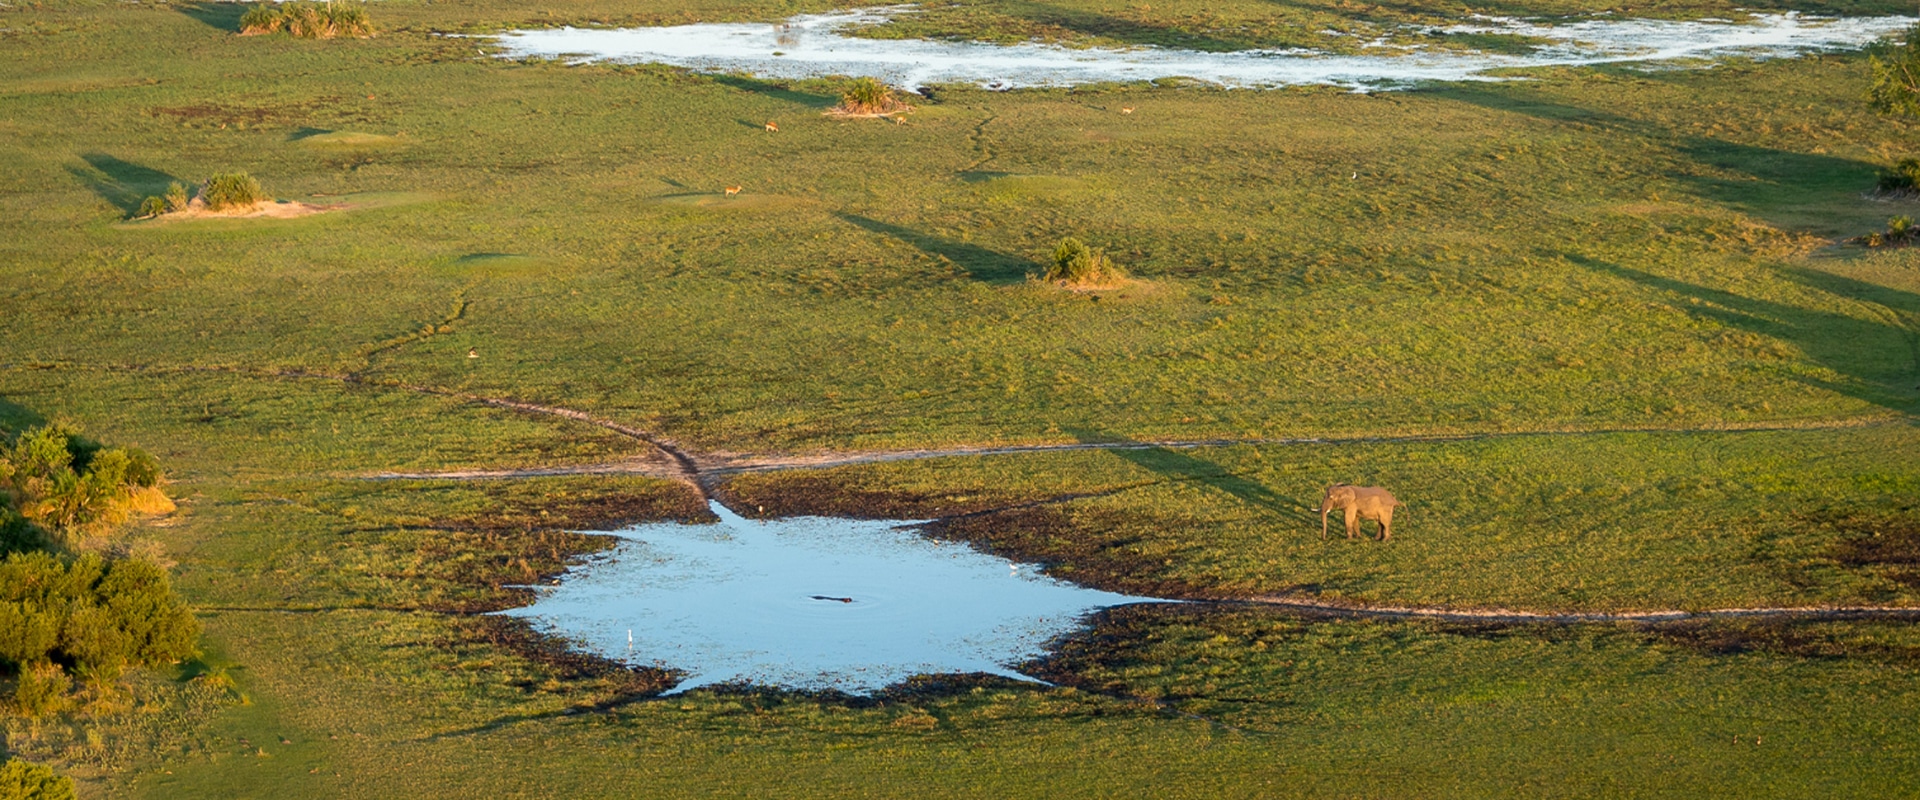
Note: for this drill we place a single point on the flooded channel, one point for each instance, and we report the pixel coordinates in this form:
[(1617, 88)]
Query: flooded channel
[(815, 46), (809, 603)]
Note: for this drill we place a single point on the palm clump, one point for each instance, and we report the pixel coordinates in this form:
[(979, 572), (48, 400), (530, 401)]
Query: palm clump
[(305, 20), (868, 97)]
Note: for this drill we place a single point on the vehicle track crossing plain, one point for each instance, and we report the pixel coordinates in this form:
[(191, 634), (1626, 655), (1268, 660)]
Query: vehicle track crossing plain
[(702, 472)]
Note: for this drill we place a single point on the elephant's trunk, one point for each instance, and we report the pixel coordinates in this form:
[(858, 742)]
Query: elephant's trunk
[(1324, 510)]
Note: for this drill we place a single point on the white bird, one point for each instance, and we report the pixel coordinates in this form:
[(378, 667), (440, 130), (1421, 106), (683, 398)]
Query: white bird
[(1356, 176)]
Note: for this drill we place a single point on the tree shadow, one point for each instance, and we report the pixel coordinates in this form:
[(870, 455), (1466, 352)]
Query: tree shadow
[(1793, 191), (1182, 465), (1854, 348), (777, 91), (122, 183), (218, 16), (15, 418), (981, 263)]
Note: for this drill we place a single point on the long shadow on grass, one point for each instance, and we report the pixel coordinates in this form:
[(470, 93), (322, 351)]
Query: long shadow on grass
[(15, 418), (218, 16), (1184, 466), (1880, 360), (776, 91), (122, 183), (1794, 191), (982, 264)]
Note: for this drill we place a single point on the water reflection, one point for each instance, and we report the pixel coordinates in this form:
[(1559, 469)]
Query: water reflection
[(809, 603)]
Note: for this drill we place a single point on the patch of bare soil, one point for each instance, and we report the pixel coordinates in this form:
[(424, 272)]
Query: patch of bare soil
[(272, 209)]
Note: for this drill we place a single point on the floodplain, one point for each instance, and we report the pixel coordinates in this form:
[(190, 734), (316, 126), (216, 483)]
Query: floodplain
[(1602, 327)]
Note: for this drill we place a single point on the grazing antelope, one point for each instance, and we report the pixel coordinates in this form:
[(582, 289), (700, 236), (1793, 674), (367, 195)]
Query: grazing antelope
[(899, 120), (732, 190), (473, 352), (772, 128), (1126, 109)]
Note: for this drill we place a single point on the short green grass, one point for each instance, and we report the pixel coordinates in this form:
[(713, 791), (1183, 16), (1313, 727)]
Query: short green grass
[(1587, 250)]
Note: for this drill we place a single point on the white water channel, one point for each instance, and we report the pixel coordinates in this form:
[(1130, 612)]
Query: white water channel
[(814, 46), (809, 603)]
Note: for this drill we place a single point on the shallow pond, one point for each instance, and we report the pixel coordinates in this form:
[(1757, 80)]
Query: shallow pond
[(809, 603), (813, 46)]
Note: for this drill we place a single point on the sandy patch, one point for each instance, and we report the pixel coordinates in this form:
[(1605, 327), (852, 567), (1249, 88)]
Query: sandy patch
[(267, 209)]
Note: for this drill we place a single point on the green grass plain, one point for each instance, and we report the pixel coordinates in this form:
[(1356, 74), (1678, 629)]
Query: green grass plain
[(1602, 273)]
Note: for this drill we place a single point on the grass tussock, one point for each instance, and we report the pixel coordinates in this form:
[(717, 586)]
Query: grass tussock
[(305, 20), (868, 97), (1077, 266)]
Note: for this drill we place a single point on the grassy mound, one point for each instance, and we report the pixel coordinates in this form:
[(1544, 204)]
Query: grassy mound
[(308, 20)]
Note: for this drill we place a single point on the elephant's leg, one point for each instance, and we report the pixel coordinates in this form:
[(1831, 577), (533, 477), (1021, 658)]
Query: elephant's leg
[(1386, 525), (1353, 522)]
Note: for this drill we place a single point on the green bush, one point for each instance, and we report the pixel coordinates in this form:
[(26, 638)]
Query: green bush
[(21, 780), (152, 207), (1075, 263), (232, 190), (177, 197), (1901, 177), (1895, 68), (94, 615), (41, 690)]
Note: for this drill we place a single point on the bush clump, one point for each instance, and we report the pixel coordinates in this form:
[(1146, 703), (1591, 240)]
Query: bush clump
[(152, 207), (177, 197), (54, 485), (23, 780), (870, 97), (1901, 177), (1076, 264), (231, 190), (88, 616), (1900, 231), (1895, 83), (306, 20)]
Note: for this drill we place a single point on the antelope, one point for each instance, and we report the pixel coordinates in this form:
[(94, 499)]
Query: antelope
[(732, 190), (772, 128), (473, 352), (1126, 109)]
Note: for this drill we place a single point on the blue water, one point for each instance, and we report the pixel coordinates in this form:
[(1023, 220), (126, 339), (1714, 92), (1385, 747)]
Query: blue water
[(809, 603)]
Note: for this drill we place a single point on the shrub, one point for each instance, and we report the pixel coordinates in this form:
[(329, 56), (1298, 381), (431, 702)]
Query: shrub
[(1900, 231), (261, 18), (1895, 86), (41, 690), (1077, 264), (1901, 177), (870, 96), (177, 198), (152, 207), (231, 190), (21, 780)]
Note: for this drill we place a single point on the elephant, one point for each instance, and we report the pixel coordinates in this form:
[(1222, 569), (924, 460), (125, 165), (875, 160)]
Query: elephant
[(1359, 502)]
